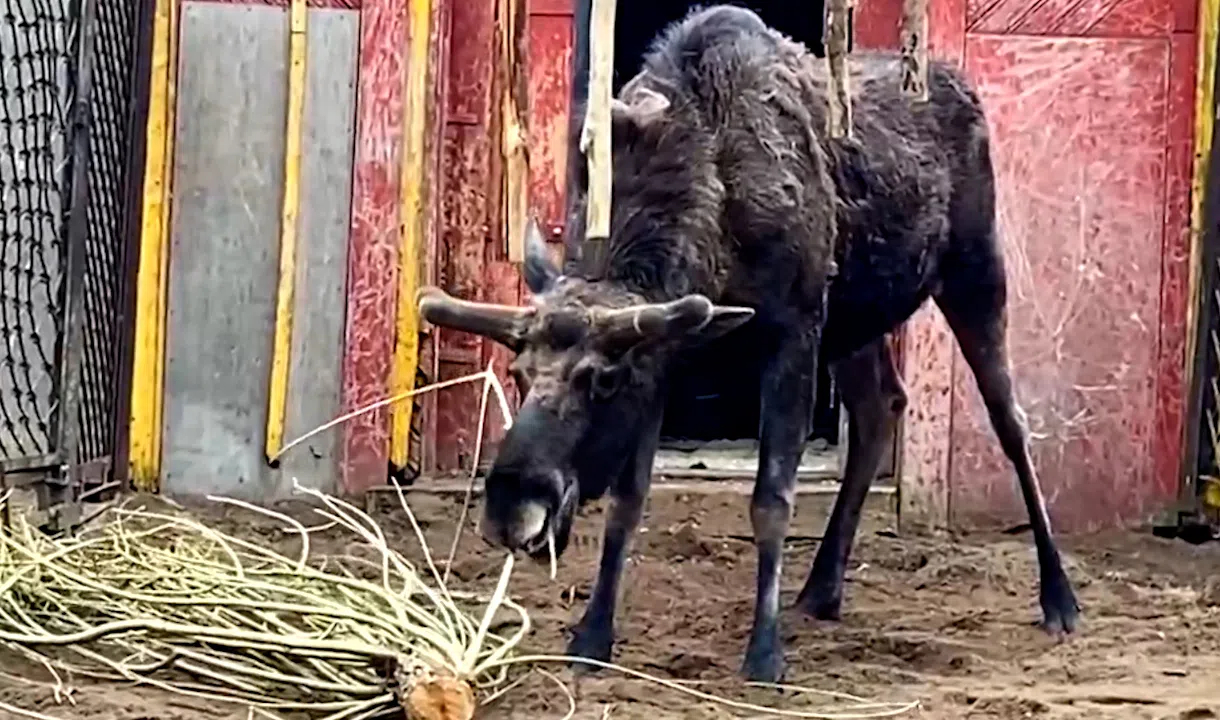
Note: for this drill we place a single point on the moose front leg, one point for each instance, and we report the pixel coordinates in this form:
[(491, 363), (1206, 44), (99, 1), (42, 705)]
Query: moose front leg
[(786, 411), (593, 636)]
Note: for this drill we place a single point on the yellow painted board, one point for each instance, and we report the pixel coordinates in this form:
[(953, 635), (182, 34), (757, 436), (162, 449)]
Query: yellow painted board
[(414, 227), (513, 142), (281, 357), (148, 361), (1205, 122)]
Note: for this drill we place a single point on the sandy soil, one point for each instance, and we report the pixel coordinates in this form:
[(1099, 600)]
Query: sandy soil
[(947, 621)]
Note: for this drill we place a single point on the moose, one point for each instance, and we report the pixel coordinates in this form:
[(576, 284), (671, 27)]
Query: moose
[(731, 205)]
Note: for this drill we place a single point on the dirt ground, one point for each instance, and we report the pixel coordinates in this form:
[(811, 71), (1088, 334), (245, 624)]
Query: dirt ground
[(947, 622)]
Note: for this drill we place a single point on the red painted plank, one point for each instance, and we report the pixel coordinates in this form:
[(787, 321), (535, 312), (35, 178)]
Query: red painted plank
[(550, 53), (374, 241), (502, 285), (1136, 18), (1081, 167), (1071, 18), (470, 221), (429, 362), (875, 24), (1185, 15), (947, 30), (550, 7), (1170, 388)]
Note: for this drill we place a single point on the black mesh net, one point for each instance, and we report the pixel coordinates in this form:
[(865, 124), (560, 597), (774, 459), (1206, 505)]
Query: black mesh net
[(35, 44), (111, 95), (40, 60)]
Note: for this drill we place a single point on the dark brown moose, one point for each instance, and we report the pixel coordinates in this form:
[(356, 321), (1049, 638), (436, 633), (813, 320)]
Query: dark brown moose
[(731, 205)]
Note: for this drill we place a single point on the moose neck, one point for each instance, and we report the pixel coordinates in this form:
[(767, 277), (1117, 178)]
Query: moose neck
[(666, 239)]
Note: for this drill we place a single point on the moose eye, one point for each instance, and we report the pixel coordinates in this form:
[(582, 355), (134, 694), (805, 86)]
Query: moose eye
[(600, 383)]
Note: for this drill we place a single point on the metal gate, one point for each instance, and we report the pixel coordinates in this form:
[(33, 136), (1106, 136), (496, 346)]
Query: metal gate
[(73, 96)]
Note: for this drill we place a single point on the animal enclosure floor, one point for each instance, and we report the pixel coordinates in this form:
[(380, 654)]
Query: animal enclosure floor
[(947, 622)]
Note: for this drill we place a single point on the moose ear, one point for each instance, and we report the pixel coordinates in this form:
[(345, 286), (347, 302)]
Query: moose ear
[(725, 318), (540, 271), (643, 107)]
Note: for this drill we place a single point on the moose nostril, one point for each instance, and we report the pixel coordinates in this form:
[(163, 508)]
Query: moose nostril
[(531, 521)]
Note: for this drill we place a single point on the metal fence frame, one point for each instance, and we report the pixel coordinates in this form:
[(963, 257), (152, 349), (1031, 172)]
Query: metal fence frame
[(60, 476)]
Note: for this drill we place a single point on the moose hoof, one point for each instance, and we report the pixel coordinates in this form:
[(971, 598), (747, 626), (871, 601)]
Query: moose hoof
[(590, 645), (764, 664), (821, 605), (1060, 611)]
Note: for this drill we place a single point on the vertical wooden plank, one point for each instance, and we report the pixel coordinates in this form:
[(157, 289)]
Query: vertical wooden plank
[(595, 135), (875, 24), (415, 190), (1175, 257), (928, 354), (438, 83), (1208, 32), (375, 238), (1204, 127), (315, 379), (514, 114), (471, 223), (281, 353), (148, 359), (550, 57)]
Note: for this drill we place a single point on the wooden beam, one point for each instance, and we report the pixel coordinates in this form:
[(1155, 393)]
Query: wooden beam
[(514, 145), (913, 37), (415, 186), (576, 163), (595, 139), (835, 37), (148, 361), (281, 354), (1200, 309)]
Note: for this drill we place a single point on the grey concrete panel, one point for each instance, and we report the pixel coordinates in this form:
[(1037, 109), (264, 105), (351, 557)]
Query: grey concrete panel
[(224, 251), (315, 376)]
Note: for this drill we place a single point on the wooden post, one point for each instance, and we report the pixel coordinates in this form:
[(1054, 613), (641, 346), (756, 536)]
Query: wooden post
[(595, 138), (574, 189), (914, 41), (835, 39), (510, 24)]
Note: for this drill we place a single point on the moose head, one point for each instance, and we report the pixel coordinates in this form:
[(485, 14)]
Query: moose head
[(591, 359)]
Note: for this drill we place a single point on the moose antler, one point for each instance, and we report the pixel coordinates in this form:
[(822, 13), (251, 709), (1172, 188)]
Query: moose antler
[(505, 324)]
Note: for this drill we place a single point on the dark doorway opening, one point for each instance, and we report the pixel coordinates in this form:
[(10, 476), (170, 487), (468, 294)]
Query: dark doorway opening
[(712, 415)]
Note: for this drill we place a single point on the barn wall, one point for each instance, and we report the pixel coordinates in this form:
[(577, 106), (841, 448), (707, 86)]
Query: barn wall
[(1091, 108), (228, 177)]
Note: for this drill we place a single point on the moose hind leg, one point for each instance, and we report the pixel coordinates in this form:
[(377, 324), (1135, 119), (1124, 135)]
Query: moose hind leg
[(874, 397), (978, 319), (786, 409)]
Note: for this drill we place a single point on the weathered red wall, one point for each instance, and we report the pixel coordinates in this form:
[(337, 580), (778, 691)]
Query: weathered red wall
[(1090, 105), (374, 240)]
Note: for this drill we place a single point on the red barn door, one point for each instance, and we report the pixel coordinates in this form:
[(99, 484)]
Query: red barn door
[(1090, 104)]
